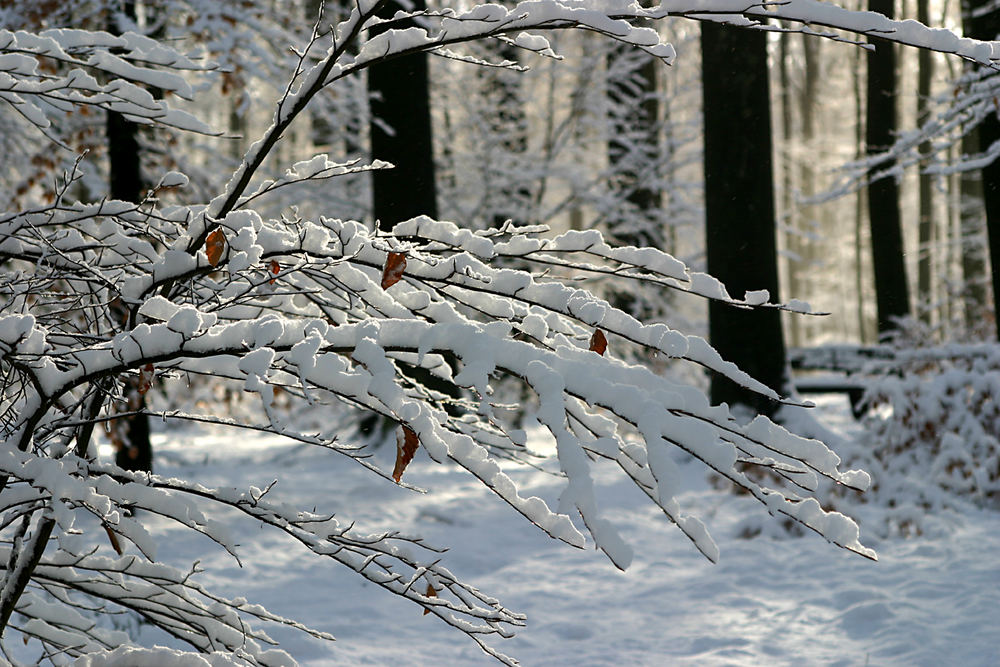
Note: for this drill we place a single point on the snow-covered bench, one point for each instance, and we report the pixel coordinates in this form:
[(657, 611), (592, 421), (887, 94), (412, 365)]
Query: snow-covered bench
[(839, 365)]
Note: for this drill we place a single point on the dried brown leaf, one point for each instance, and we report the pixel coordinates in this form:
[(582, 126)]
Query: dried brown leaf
[(214, 245), (395, 264), (406, 447), (115, 544), (431, 593), (598, 343), (145, 379)]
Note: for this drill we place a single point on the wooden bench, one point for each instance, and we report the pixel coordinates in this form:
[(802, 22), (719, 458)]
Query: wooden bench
[(834, 384), (838, 364)]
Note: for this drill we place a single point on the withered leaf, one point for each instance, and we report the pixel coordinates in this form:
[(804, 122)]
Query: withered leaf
[(275, 269), (431, 593), (115, 544), (145, 379), (395, 264), (214, 245), (406, 447), (598, 343)]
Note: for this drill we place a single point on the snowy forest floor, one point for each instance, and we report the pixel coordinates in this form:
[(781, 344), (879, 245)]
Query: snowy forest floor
[(773, 599)]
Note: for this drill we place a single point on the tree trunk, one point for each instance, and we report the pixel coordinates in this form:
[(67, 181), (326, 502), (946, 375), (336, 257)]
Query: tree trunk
[(401, 132), (508, 122), (789, 215), (809, 230), (971, 237), (739, 207), (400, 129), (324, 15), (633, 146), (891, 291), (925, 252), (987, 26), (634, 159), (130, 435)]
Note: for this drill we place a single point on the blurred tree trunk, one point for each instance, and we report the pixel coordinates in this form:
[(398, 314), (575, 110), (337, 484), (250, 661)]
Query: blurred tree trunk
[(985, 24), (809, 230), (508, 122), (925, 253), (633, 144), (860, 202), (789, 214), (322, 16), (634, 160), (739, 207), (400, 128), (130, 435), (891, 291), (971, 236), (401, 132)]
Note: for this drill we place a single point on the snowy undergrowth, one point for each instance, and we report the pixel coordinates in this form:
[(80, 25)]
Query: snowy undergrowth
[(930, 440)]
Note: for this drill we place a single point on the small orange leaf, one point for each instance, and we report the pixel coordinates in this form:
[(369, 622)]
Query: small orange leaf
[(598, 343), (115, 544), (275, 270), (406, 447), (431, 593), (145, 379), (214, 245), (395, 264)]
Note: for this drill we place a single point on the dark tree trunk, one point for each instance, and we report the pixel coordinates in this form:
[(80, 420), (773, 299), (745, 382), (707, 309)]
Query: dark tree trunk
[(891, 292), (925, 253), (987, 26), (129, 434), (971, 236), (123, 158), (401, 132), (739, 207)]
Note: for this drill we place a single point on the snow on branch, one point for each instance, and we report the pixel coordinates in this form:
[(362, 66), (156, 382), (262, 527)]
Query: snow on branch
[(955, 114), (817, 13), (56, 70)]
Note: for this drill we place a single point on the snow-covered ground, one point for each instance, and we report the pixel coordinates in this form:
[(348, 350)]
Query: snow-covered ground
[(773, 599)]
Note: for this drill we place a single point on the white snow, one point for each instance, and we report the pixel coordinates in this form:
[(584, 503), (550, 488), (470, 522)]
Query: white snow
[(757, 297), (798, 306)]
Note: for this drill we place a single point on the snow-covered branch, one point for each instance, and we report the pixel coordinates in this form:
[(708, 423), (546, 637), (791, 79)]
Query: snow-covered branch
[(56, 70)]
